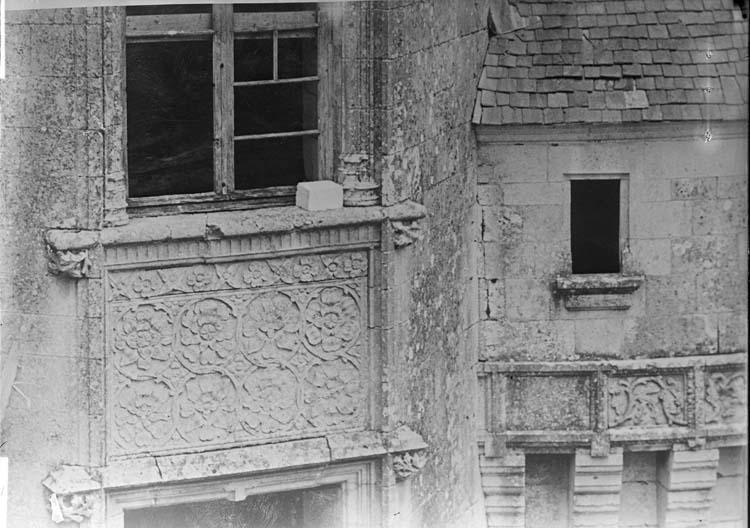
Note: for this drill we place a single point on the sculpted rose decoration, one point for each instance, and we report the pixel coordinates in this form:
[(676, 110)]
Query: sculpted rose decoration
[(146, 283), (208, 330), (269, 401), (333, 319), (271, 324), (199, 278), (305, 269), (333, 393), (142, 340), (205, 407), (143, 415), (348, 265)]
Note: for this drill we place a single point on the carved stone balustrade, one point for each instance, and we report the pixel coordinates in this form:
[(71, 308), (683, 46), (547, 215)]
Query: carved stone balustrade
[(689, 400)]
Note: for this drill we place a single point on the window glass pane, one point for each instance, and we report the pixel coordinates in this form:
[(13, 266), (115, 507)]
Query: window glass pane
[(275, 108), (265, 8), (253, 59), (595, 225), (315, 508), (297, 57), (169, 118), (167, 9), (273, 162)]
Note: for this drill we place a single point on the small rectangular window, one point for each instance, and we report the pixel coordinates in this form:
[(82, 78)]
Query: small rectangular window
[(595, 225)]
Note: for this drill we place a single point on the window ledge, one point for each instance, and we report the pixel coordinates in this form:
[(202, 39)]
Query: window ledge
[(599, 291), (227, 224)]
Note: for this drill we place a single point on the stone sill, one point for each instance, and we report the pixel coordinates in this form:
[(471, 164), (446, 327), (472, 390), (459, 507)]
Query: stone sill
[(598, 291), (339, 447), (273, 220)]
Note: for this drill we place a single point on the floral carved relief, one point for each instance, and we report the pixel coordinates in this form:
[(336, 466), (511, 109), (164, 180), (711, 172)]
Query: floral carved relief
[(301, 269), (271, 352), (206, 408), (143, 413), (332, 322), (142, 341), (725, 397), (207, 332), (647, 401), (271, 329)]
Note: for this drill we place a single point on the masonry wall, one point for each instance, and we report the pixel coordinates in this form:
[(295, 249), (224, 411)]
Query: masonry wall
[(432, 52), (687, 235), (50, 173)]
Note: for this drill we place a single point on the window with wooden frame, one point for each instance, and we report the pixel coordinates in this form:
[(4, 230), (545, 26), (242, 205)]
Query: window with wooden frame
[(222, 103)]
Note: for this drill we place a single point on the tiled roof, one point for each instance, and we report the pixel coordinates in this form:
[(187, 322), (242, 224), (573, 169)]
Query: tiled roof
[(593, 61)]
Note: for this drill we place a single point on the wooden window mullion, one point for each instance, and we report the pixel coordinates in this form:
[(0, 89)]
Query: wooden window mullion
[(223, 70)]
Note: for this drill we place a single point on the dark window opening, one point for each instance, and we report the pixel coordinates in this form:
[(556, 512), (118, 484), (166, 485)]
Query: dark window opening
[(595, 226), (170, 118), (313, 508), (177, 81)]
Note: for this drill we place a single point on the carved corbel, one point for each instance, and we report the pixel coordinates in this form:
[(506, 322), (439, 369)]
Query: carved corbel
[(408, 452), (406, 232), (68, 251), (72, 494), (405, 222), (408, 464)]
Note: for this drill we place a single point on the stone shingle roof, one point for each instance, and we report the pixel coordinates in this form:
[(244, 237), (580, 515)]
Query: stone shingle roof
[(615, 61)]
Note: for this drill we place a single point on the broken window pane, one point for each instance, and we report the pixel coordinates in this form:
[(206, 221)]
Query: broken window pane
[(170, 118), (297, 57), (595, 226), (274, 162), (253, 59), (167, 9), (274, 108)]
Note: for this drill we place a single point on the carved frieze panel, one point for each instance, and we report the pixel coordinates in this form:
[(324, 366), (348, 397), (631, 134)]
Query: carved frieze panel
[(725, 397), (647, 401), (661, 400), (238, 352)]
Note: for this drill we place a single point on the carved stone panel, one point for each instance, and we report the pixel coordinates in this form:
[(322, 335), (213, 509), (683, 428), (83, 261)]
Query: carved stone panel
[(237, 352), (725, 397), (640, 401)]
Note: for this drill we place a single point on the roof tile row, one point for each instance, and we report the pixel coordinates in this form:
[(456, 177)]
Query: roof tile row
[(614, 61)]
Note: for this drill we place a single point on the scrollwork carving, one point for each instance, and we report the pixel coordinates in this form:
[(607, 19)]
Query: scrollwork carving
[(725, 397), (647, 401)]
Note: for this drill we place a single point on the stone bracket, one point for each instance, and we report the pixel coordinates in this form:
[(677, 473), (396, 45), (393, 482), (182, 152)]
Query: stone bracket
[(598, 291), (68, 251), (72, 493), (405, 223)]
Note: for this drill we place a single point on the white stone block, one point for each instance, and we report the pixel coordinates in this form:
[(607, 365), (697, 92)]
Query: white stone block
[(319, 195)]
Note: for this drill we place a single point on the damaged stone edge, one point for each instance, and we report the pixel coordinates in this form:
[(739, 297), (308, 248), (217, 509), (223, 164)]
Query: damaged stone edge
[(273, 220), (72, 493), (68, 251), (597, 283), (405, 448)]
